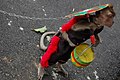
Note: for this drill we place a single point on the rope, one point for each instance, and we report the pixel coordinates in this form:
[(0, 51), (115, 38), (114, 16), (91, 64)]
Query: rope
[(31, 18)]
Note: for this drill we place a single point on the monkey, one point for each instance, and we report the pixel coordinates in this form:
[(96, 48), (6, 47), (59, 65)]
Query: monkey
[(65, 40)]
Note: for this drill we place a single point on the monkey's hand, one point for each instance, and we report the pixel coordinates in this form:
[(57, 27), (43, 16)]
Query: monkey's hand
[(97, 41)]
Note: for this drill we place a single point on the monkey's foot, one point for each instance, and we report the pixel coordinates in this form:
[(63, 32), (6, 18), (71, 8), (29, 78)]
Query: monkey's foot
[(60, 70)]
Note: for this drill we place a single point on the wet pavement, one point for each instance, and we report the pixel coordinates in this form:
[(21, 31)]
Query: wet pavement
[(19, 45)]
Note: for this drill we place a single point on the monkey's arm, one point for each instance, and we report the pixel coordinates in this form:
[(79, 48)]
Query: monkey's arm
[(96, 32)]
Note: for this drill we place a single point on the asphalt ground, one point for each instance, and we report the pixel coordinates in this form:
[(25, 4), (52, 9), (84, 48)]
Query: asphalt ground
[(19, 45)]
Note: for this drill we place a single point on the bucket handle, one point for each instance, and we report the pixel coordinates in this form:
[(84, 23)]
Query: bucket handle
[(84, 50)]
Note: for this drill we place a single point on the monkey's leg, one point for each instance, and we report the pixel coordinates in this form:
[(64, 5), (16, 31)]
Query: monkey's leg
[(41, 72)]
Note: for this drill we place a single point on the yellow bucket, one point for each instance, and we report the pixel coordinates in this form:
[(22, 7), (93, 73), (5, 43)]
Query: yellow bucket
[(82, 55)]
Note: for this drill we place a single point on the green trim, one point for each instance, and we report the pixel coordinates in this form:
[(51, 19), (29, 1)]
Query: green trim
[(102, 7), (78, 59), (80, 13)]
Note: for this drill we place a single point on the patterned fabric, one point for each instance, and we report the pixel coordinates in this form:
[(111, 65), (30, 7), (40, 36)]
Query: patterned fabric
[(89, 11)]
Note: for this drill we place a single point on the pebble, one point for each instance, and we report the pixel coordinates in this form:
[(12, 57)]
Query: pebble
[(21, 28), (10, 23)]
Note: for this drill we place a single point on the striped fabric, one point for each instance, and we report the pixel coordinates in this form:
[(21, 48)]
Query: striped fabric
[(89, 11)]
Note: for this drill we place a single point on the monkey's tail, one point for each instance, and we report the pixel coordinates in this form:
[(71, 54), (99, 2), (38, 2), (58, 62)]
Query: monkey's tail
[(42, 45)]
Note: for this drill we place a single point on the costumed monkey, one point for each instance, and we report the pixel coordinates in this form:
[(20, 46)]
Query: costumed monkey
[(73, 33)]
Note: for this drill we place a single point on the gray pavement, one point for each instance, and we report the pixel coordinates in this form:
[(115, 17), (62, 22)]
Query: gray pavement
[(19, 44)]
